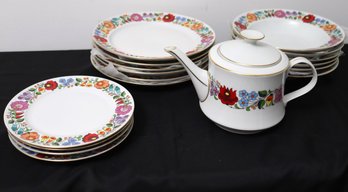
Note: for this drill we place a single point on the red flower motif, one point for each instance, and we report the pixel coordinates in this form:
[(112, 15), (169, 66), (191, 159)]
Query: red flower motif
[(168, 18), (308, 18), (227, 96), (100, 39), (51, 85), (240, 26), (90, 137)]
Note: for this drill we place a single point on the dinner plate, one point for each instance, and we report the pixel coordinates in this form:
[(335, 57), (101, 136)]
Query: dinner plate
[(297, 74), (67, 112), (145, 71), (143, 36), (140, 81), (316, 67), (70, 157), (291, 30)]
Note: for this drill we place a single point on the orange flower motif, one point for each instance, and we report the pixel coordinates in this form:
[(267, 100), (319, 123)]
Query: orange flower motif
[(101, 132), (329, 27), (186, 24), (101, 84), (197, 26), (44, 137), (109, 25), (31, 136), (107, 129), (251, 17)]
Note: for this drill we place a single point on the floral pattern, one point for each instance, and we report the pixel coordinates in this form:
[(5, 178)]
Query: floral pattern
[(14, 113), (248, 100), (103, 29), (336, 34)]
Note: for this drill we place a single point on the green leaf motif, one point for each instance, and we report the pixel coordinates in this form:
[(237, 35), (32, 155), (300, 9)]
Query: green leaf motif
[(123, 94), (109, 125), (263, 93), (261, 104), (20, 120), (78, 79), (59, 139), (10, 121), (32, 89), (38, 93), (248, 109)]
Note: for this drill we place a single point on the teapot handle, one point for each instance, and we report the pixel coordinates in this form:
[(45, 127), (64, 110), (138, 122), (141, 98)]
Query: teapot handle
[(290, 96)]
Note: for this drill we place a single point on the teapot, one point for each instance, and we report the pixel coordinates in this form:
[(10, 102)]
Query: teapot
[(243, 89)]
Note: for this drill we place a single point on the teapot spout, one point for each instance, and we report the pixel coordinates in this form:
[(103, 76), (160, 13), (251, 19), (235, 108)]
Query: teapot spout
[(198, 76)]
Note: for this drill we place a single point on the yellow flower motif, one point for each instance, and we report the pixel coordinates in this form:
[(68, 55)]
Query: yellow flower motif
[(329, 27), (197, 26), (251, 17)]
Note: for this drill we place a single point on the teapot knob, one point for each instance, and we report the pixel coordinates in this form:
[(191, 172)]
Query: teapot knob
[(252, 35)]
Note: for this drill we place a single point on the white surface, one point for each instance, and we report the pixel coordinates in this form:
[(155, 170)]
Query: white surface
[(288, 29), (249, 53), (147, 39), (70, 112), (68, 24), (252, 56)]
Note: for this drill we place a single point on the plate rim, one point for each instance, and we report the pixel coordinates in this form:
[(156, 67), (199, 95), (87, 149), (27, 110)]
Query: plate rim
[(118, 142), (233, 26), (169, 57)]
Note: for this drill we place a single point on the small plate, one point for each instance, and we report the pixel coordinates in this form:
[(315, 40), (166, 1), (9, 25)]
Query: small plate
[(291, 30), (143, 36), (71, 157), (67, 112), (317, 68)]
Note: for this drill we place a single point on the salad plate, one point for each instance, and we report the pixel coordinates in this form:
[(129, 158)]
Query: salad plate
[(68, 112), (291, 30), (301, 74), (71, 157), (142, 36), (76, 150)]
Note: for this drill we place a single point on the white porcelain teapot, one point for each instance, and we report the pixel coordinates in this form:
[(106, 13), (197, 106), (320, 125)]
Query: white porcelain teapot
[(243, 89)]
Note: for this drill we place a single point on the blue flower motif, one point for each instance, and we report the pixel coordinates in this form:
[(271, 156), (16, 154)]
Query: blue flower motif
[(244, 102), (120, 119), (71, 141), (253, 96), (66, 82), (243, 94)]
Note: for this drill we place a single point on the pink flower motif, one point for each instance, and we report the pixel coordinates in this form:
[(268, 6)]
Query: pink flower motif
[(19, 105), (278, 95), (279, 13), (136, 17), (123, 109), (207, 39)]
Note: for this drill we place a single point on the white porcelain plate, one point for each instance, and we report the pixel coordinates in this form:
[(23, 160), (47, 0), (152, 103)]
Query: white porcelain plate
[(68, 112), (71, 157), (291, 30), (143, 36)]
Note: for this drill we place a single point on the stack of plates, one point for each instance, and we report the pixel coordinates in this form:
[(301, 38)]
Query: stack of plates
[(69, 118), (298, 34), (130, 47)]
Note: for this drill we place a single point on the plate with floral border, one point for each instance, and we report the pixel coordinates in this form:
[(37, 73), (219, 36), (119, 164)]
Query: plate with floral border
[(142, 36), (71, 157), (291, 30), (68, 112)]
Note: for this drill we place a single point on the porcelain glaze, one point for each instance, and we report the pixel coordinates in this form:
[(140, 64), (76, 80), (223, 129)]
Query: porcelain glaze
[(243, 99)]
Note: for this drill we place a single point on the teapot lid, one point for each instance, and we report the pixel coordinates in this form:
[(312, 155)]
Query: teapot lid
[(249, 56)]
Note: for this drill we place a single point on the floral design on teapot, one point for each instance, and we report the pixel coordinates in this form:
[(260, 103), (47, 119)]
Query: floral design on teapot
[(242, 99)]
